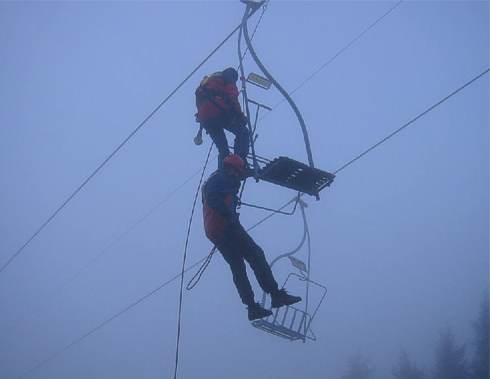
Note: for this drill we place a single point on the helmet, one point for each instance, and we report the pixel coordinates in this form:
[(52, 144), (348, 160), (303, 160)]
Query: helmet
[(230, 75), (235, 162)]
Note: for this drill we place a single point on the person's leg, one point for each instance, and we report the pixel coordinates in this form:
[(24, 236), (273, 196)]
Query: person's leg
[(217, 134), (242, 138), (255, 257), (233, 257)]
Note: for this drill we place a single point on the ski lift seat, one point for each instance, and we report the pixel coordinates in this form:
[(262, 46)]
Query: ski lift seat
[(298, 176), (290, 322), (287, 322)]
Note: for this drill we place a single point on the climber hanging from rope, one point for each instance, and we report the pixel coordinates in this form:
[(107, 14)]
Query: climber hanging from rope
[(223, 228), (218, 109)]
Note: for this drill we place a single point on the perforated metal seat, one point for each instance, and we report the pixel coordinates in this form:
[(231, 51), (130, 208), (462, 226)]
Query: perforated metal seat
[(296, 175), (287, 322)]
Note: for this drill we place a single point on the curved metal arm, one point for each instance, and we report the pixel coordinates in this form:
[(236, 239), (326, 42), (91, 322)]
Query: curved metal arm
[(302, 206), (306, 234), (276, 84)]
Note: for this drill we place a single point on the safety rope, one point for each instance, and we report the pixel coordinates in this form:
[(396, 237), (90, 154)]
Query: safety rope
[(199, 273), (184, 259)]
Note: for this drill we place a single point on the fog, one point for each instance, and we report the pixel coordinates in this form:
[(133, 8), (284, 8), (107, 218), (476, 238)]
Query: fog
[(400, 239)]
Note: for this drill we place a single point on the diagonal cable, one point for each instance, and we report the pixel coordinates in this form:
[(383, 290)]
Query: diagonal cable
[(115, 151), (133, 304), (107, 321), (338, 53), (407, 124)]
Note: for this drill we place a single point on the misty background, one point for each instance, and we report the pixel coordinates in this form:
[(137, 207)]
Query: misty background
[(401, 238)]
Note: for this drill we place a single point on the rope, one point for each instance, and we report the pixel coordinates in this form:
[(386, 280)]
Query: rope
[(199, 273), (119, 147), (184, 258)]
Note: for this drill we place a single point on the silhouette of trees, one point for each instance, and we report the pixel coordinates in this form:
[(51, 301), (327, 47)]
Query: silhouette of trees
[(480, 362), (357, 368), (406, 369), (450, 360)]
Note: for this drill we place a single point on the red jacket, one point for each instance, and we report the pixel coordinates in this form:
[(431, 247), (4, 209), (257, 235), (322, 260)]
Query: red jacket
[(214, 98)]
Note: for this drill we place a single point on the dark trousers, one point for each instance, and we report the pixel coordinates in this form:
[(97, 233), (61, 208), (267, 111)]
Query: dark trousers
[(216, 130), (239, 247)]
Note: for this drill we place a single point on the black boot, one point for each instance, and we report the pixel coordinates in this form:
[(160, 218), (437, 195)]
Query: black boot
[(255, 311), (281, 297)]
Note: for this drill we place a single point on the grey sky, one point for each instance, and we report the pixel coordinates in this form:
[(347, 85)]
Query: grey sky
[(401, 239)]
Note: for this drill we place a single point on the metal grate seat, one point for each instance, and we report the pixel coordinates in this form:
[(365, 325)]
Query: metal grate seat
[(287, 322), (291, 322), (298, 176)]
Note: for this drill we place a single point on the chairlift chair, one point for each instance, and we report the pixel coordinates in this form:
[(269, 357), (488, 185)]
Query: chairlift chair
[(291, 322)]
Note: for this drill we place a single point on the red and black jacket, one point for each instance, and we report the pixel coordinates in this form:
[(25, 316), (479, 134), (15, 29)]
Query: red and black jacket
[(215, 98), (220, 199)]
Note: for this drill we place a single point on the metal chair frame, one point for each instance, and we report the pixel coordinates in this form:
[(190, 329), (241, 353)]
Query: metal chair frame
[(298, 325)]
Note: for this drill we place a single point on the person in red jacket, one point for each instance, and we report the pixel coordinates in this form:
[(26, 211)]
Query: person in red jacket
[(223, 228), (218, 109)]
